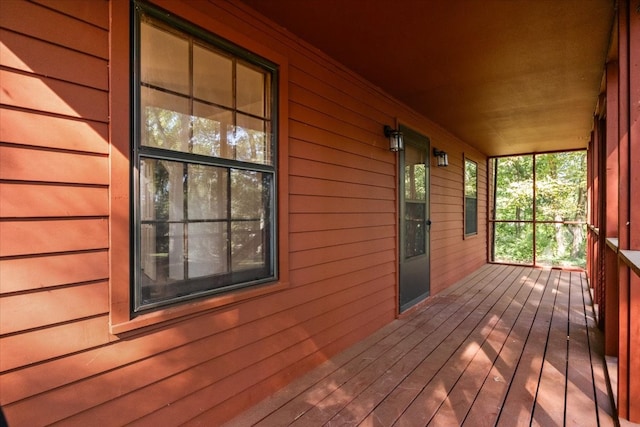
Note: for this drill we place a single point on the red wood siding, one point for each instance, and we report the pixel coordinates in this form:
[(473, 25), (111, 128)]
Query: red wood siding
[(452, 257), (54, 184), (57, 221)]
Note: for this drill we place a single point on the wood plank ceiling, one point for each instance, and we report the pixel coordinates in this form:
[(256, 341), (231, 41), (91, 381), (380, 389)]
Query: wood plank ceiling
[(507, 76)]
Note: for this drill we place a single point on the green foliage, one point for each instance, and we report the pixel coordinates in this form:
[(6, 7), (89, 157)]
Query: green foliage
[(560, 208), (513, 242), (470, 178), (514, 190)]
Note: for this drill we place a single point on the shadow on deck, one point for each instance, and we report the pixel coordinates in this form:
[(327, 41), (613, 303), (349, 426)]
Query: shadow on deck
[(505, 346)]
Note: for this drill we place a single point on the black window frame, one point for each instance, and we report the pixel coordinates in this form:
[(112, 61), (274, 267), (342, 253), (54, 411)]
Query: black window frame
[(217, 285), (470, 202)]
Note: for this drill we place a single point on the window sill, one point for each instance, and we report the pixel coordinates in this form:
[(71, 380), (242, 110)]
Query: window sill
[(190, 309)]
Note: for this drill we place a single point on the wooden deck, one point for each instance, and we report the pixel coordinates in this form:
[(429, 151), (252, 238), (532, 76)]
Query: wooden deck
[(506, 346)]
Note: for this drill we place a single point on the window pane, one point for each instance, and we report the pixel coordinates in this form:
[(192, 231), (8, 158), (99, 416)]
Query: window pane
[(207, 252), (161, 250), (161, 183), (148, 184), (248, 245), (251, 141), (250, 195), (470, 179), (514, 190), (165, 120), (470, 215), (161, 190), (164, 59), (212, 76), (249, 190), (415, 173), (415, 240), (210, 128), (207, 192), (250, 90), (513, 242)]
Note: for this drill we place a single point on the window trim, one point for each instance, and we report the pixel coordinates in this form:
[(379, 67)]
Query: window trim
[(121, 255), (465, 234)]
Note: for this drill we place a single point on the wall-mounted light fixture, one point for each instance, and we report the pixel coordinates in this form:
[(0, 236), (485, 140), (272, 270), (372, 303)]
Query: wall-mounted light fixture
[(395, 138), (441, 157)]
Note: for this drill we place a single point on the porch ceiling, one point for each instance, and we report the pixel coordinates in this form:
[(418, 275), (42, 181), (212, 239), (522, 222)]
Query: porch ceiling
[(506, 76)]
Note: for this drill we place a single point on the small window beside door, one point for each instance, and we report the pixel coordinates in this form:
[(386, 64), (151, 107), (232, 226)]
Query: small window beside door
[(470, 197)]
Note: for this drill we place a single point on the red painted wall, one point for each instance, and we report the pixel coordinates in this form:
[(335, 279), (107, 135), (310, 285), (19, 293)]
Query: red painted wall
[(615, 262), (63, 228)]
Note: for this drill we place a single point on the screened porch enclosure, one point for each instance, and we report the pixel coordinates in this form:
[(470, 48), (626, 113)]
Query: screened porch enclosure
[(538, 214)]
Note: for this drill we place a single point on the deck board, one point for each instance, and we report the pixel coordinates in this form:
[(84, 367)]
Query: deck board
[(505, 346), (477, 329), (580, 395), (518, 404), (486, 409), (549, 407), (482, 385)]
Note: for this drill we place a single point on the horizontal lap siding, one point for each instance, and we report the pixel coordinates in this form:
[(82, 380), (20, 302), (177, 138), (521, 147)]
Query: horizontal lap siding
[(452, 255), (54, 178), (54, 259)]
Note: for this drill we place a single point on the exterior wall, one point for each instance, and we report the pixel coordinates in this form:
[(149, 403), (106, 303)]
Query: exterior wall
[(62, 226), (614, 236), (449, 251)]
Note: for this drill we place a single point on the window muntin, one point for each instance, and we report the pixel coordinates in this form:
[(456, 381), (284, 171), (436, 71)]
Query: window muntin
[(204, 169), (470, 197)]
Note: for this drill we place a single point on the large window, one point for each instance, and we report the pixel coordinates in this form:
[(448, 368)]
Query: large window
[(204, 164), (470, 197)]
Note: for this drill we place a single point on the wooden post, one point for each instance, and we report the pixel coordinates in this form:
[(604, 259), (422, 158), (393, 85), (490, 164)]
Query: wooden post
[(590, 212), (634, 205), (611, 212), (623, 207), (611, 324)]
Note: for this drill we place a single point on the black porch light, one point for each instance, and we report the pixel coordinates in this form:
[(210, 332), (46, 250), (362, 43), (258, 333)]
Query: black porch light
[(395, 138), (441, 157)]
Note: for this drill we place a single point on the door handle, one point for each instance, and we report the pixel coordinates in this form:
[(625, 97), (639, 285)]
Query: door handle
[(428, 223)]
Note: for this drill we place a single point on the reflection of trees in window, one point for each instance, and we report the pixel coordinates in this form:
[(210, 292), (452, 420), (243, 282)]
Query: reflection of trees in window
[(415, 194)]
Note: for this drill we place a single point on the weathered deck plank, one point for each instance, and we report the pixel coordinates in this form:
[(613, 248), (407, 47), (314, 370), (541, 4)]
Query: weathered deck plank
[(487, 407), (505, 346), (518, 405), (427, 379), (549, 407), (581, 409), (439, 389), (481, 388), (328, 395)]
